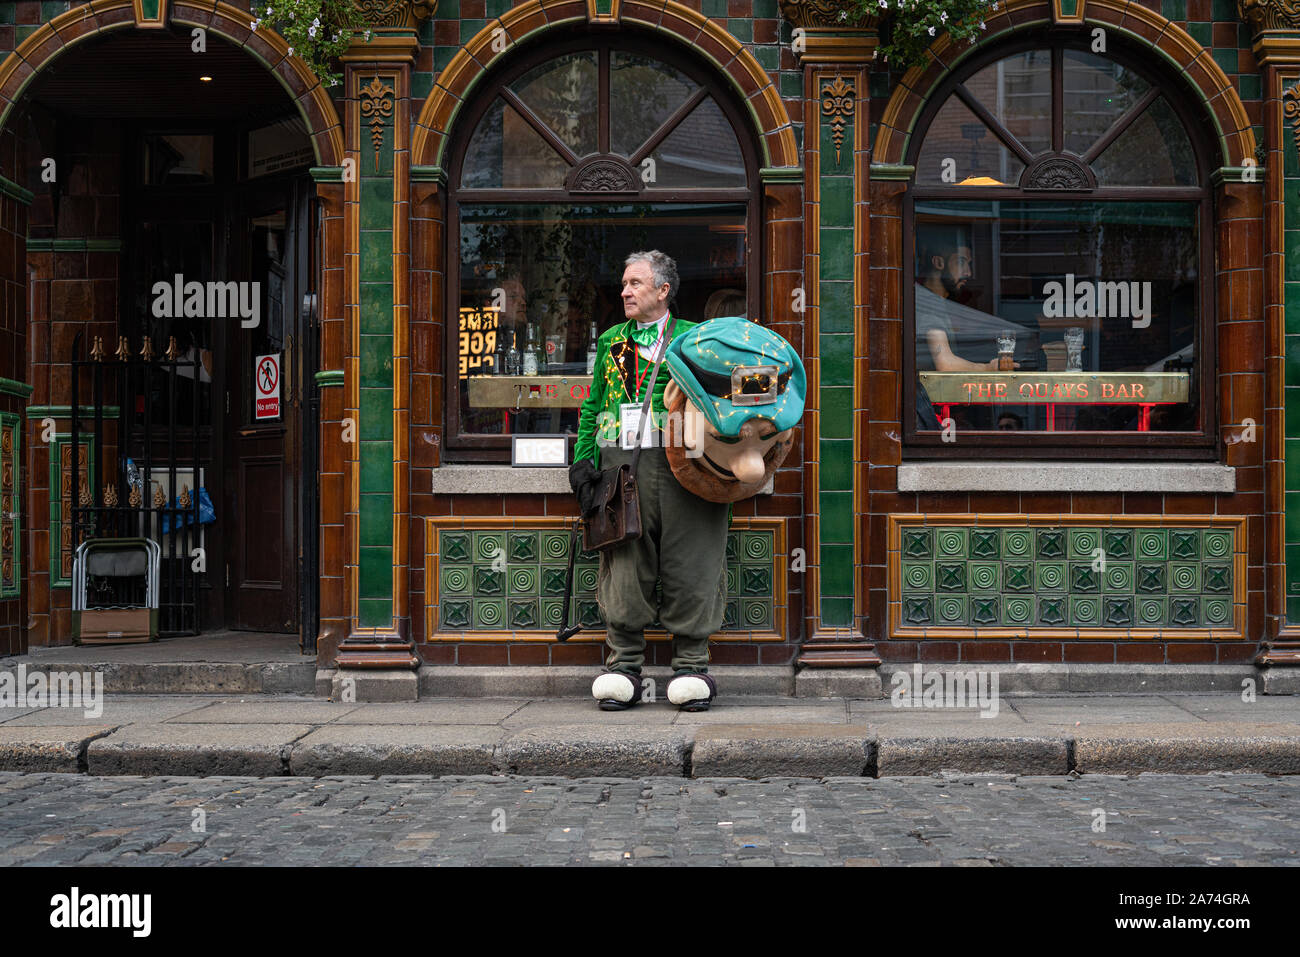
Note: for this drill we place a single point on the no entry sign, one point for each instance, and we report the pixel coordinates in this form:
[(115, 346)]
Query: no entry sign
[(266, 386)]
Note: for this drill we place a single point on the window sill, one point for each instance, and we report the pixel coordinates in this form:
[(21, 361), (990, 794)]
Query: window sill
[(506, 480), (993, 476)]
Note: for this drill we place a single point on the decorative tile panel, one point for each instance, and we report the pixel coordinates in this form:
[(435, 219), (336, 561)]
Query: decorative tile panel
[(62, 497), (502, 579), (1081, 576)]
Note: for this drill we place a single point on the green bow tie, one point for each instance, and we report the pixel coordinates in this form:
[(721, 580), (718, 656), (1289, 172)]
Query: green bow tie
[(646, 337)]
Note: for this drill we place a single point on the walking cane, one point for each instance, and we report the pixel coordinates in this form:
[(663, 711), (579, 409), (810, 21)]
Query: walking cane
[(567, 631)]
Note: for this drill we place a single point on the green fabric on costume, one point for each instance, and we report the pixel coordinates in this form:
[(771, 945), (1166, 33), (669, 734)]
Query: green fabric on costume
[(607, 392)]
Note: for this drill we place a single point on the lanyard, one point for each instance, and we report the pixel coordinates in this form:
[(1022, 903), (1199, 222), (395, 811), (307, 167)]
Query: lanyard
[(640, 376)]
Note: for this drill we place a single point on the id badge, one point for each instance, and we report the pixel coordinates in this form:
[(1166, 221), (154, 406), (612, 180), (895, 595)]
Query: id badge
[(629, 417)]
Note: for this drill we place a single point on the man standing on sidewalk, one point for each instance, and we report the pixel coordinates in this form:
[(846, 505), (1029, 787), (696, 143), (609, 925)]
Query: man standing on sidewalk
[(683, 542)]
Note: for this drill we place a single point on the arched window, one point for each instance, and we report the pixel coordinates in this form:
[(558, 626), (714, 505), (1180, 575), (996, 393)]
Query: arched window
[(573, 157), (1060, 228)]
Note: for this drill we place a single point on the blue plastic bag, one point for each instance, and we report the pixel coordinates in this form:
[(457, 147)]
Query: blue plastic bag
[(206, 512)]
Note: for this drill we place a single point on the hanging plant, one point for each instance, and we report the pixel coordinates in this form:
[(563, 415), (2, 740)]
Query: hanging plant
[(908, 27), (317, 31)]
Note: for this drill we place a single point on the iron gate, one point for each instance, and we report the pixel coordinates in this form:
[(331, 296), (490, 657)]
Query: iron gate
[(152, 485)]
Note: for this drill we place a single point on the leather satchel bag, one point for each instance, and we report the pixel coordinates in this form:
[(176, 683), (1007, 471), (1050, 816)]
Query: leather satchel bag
[(617, 515)]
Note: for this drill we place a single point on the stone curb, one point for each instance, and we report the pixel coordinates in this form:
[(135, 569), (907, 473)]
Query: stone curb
[(188, 677), (573, 751)]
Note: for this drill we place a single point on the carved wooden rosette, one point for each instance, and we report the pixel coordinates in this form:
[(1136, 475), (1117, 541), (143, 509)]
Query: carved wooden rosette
[(1263, 15)]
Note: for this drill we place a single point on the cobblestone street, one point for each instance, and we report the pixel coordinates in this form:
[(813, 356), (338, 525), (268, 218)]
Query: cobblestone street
[(1219, 820)]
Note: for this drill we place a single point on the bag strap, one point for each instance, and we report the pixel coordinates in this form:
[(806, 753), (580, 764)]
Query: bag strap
[(650, 390)]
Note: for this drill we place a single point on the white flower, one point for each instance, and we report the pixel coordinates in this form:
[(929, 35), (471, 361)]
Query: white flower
[(844, 14), (884, 4), (981, 24), (290, 51), (290, 14), (943, 17), (311, 31), (316, 22), (930, 30), (252, 24)]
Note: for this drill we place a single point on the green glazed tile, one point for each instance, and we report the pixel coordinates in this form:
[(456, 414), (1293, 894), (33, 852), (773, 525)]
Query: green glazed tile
[(733, 546), (589, 615), (756, 581), (837, 413), (1084, 543), (489, 614), (755, 613), (553, 580), (741, 28), (552, 612), (985, 610), (918, 543), (454, 580), (836, 253), (731, 615), (837, 612), (1184, 612), (488, 582), (950, 610), (950, 576), (791, 85), (1173, 9), (1216, 611), (837, 199), (553, 546), (522, 546), (1151, 544), (377, 415), (1085, 611), (1017, 543), (836, 352), (1216, 577), (1018, 576), (984, 576), (376, 469), (376, 572), (1050, 576), (950, 542), (1184, 577), (1150, 580), (918, 577), (585, 580), (1184, 545), (837, 570), (377, 256), (1118, 577), (376, 520), (1051, 543), (1151, 612), (1216, 543), (836, 471), (836, 307), (1084, 579), (1052, 610), (733, 579), (489, 546), (1017, 610), (984, 543), (1227, 61), (376, 203), (456, 614), (756, 547), (375, 612), (920, 611), (1118, 543), (1117, 612), (523, 614), (454, 546), (522, 580), (376, 361)]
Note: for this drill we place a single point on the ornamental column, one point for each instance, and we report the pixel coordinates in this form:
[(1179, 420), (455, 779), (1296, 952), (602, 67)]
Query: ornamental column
[(1276, 25), (835, 63), (377, 78)]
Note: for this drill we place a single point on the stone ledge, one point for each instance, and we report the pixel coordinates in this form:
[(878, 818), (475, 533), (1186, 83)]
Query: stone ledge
[(507, 480), (997, 476)]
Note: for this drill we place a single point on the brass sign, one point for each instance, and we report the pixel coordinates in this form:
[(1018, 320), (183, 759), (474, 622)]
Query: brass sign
[(1056, 388), (527, 392)]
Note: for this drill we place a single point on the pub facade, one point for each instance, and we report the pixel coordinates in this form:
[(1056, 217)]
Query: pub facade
[(1042, 285)]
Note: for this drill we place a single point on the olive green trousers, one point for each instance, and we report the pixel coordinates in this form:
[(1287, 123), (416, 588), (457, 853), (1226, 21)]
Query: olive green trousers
[(683, 545)]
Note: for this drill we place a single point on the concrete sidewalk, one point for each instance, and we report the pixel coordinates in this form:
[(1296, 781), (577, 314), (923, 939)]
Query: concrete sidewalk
[(750, 736)]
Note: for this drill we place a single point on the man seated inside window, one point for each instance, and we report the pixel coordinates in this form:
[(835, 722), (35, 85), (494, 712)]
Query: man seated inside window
[(944, 326)]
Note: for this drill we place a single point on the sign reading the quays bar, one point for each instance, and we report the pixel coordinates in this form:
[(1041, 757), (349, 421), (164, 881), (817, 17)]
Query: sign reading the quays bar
[(1056, 388)]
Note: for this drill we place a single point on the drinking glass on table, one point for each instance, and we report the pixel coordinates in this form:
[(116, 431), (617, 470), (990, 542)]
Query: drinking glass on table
[(1074, 349)]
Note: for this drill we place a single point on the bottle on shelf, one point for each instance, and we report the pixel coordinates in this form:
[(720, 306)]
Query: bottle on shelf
[(499, 354), (514, 361), (532, 352), (591, 350)]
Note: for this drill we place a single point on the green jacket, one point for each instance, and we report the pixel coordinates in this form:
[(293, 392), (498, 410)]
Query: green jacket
[(608, 392)]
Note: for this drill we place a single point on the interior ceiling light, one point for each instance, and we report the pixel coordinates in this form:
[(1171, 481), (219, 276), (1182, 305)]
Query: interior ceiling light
[(206, 79)]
